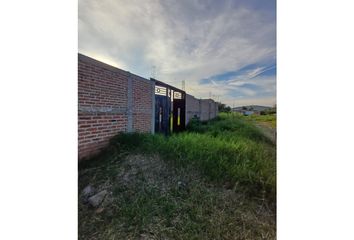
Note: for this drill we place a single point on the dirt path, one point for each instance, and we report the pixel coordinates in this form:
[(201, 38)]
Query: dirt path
[(269, 132)]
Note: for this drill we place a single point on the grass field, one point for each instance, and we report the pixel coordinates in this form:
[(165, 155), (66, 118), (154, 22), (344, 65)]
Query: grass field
[(214, 181), (269, 120)]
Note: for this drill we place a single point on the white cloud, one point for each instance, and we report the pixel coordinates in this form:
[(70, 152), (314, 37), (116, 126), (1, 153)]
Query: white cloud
[(185, 40)]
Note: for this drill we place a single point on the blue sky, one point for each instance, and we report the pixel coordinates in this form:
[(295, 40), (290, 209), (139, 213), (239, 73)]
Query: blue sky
[(226, 49)]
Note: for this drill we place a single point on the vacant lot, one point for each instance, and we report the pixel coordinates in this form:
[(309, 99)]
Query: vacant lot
[(268, 120), (215, 181), (266, 123)]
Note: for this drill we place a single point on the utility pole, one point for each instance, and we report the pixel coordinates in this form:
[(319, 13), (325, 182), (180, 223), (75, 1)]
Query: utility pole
[(183, 85), (153, 72)]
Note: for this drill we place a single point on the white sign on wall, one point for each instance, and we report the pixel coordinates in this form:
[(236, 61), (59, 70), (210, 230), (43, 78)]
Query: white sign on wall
[(177, 95), (160, 90)]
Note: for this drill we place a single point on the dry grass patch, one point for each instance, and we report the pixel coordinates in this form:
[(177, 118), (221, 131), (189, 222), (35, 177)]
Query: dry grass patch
[(151, 199)]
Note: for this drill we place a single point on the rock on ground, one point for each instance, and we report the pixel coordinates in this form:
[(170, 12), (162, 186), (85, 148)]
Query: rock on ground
[(87, 192), (96, 200)]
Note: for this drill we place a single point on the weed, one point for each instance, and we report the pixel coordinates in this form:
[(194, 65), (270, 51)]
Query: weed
[(173, 187)]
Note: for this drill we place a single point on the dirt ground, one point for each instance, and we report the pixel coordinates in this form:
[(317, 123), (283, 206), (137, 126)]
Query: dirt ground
[(150, 199)]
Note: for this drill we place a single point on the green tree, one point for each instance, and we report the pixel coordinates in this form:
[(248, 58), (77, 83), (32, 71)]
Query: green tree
[(223, 108)]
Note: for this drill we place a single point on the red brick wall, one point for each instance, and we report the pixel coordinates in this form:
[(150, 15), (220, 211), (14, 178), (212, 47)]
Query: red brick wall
[(96, 129), (142, 100), (103, 104)]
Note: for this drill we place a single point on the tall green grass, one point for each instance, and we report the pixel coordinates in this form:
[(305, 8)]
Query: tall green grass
[(230, 126), (224, 149)]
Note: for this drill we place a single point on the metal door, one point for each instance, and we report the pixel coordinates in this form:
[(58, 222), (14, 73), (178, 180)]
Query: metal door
[(179, 111), (162, 111)]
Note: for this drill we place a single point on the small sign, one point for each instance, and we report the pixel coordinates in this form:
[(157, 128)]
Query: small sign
[(160, 90), (177, 95)]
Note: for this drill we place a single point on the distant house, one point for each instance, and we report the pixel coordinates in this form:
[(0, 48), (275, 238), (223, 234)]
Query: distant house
[(250, 110), (247, 113)]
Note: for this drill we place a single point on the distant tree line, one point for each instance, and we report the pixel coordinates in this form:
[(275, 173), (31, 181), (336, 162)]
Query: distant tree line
[(272, 110), (223, 108)]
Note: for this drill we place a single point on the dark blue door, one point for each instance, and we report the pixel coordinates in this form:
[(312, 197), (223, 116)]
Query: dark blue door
[(162, 114)]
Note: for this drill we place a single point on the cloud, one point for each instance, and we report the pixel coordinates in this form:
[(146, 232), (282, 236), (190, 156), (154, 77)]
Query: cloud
[(185, 40), (259, 71)]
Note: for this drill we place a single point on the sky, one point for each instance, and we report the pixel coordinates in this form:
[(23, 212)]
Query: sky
[(222, 49)]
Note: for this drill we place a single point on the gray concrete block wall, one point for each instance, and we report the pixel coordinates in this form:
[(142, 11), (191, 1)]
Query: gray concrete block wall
[(192, 107), (212, 109), (204, 109)]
